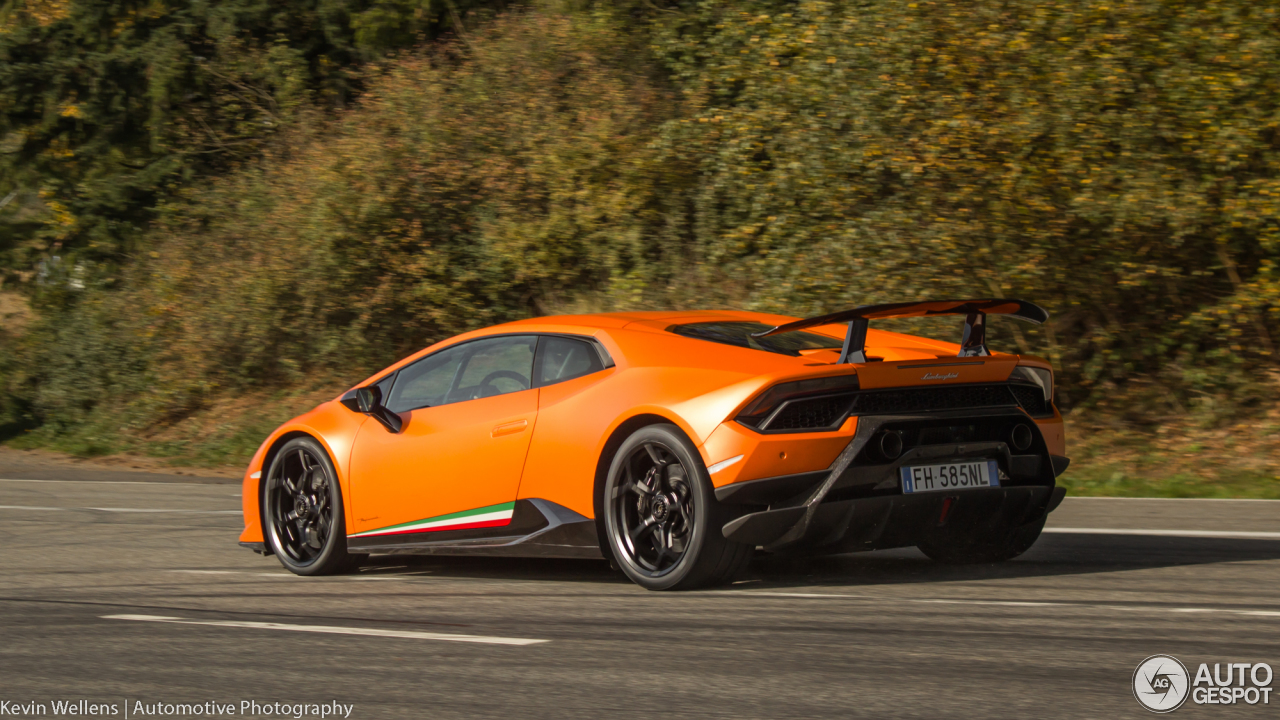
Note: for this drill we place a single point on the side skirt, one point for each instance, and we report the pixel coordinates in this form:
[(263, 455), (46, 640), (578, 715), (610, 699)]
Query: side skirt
[(258, 547), (538, 528)]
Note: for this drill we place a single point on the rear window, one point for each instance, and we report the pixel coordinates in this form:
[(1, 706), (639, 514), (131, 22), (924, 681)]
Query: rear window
[(561, 359), (739, 333)]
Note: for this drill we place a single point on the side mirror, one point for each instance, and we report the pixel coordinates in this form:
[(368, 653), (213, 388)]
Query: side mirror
[(369, 400)]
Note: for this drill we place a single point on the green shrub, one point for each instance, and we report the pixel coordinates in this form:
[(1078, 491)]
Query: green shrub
[(108, 108), (1119, 164), (469, 186), (1116, 162)]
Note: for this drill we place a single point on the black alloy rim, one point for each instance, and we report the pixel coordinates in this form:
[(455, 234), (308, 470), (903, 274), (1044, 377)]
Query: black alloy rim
[(653, 509), (300, 506)]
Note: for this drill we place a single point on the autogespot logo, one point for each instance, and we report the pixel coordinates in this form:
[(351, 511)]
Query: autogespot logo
[(1160, 683)]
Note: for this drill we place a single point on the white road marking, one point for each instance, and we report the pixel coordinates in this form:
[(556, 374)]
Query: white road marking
[(163, 510), (231, 481), (284, 575), (123, 510), (330, 629), (1150, 609), (1240, 534), (1168, 499), (235, 572)]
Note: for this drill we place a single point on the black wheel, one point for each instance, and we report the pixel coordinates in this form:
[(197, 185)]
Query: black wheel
[(662, 521), (302, 511), (969, 549)]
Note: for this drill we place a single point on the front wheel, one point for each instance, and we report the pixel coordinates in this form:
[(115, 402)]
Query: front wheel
[(662, 520), (302, 514), (969, 549)]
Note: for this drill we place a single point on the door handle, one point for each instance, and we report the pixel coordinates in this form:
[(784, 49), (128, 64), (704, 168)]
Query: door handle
[(510, 428)]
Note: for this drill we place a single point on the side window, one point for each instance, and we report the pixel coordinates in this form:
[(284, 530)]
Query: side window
[(495, 367), (426, 382), (561, 359), (476, 369)]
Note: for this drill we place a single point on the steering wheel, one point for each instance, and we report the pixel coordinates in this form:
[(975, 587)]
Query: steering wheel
[(498, 375)]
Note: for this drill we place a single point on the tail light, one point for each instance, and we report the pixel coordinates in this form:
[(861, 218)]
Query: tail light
[(1035, 376), (812, 404)]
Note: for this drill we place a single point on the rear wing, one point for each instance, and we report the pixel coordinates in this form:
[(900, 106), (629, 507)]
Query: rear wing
[(972, 343)]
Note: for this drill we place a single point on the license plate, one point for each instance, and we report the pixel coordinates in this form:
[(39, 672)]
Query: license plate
[(950, 476)]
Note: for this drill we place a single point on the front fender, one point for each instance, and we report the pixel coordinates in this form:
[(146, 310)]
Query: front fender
[(332, 425)]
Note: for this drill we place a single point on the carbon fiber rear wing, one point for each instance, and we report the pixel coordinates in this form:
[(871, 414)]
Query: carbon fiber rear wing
[(972, 343)]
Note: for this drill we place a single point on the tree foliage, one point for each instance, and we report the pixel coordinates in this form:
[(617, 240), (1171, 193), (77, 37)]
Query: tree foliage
[(468, 186), (1118, 164), (107, 108)]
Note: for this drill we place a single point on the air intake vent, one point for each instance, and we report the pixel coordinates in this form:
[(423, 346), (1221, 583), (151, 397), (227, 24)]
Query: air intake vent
[(811, 413), (950, 397), (827, 412)]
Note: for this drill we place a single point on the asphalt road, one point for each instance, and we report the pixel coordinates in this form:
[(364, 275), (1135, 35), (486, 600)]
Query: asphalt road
[(1055, 633)]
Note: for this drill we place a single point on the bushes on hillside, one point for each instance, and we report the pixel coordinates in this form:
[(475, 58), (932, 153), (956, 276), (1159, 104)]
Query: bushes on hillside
[(107, 107), (1115, 163), (466, 188)]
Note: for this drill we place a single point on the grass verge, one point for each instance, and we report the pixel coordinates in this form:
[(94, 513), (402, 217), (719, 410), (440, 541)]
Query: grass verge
[(1108, 458), (1178, 459)]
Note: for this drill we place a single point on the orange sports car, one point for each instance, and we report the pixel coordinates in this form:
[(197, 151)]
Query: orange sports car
[(675, 444)]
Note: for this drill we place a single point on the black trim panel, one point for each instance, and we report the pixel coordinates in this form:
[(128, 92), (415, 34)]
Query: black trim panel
[(1020, 309), (877, 523), (260, 548), (538, 528), (1056, 498), (764, 527), (906, 400), (1060, 464), (767, 490), (972, 344)]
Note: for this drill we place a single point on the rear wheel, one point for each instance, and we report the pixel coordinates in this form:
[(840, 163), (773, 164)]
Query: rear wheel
[(302, 515), (972, 548), (662, 521)]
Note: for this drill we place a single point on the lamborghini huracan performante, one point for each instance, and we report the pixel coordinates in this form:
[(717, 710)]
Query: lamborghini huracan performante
[(674, 444)]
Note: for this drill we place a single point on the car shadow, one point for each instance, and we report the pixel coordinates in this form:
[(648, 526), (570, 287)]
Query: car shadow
[(1054, 554), (492, 568)]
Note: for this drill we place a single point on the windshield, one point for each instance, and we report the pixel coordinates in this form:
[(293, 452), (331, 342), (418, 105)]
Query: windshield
[(739, 333)]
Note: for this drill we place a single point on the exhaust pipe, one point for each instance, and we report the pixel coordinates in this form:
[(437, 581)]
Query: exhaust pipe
[(1021, 438), (890, 445)]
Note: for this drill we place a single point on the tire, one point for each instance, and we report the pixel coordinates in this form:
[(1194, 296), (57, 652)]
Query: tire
[(662, 521), (302, 511), (956, 549)]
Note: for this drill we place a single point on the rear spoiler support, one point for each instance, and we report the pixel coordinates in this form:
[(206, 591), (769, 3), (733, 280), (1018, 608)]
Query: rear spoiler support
[(855, 342), (973, 343)]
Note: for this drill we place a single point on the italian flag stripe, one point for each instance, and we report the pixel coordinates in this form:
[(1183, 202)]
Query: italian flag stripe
[(491, 516)]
